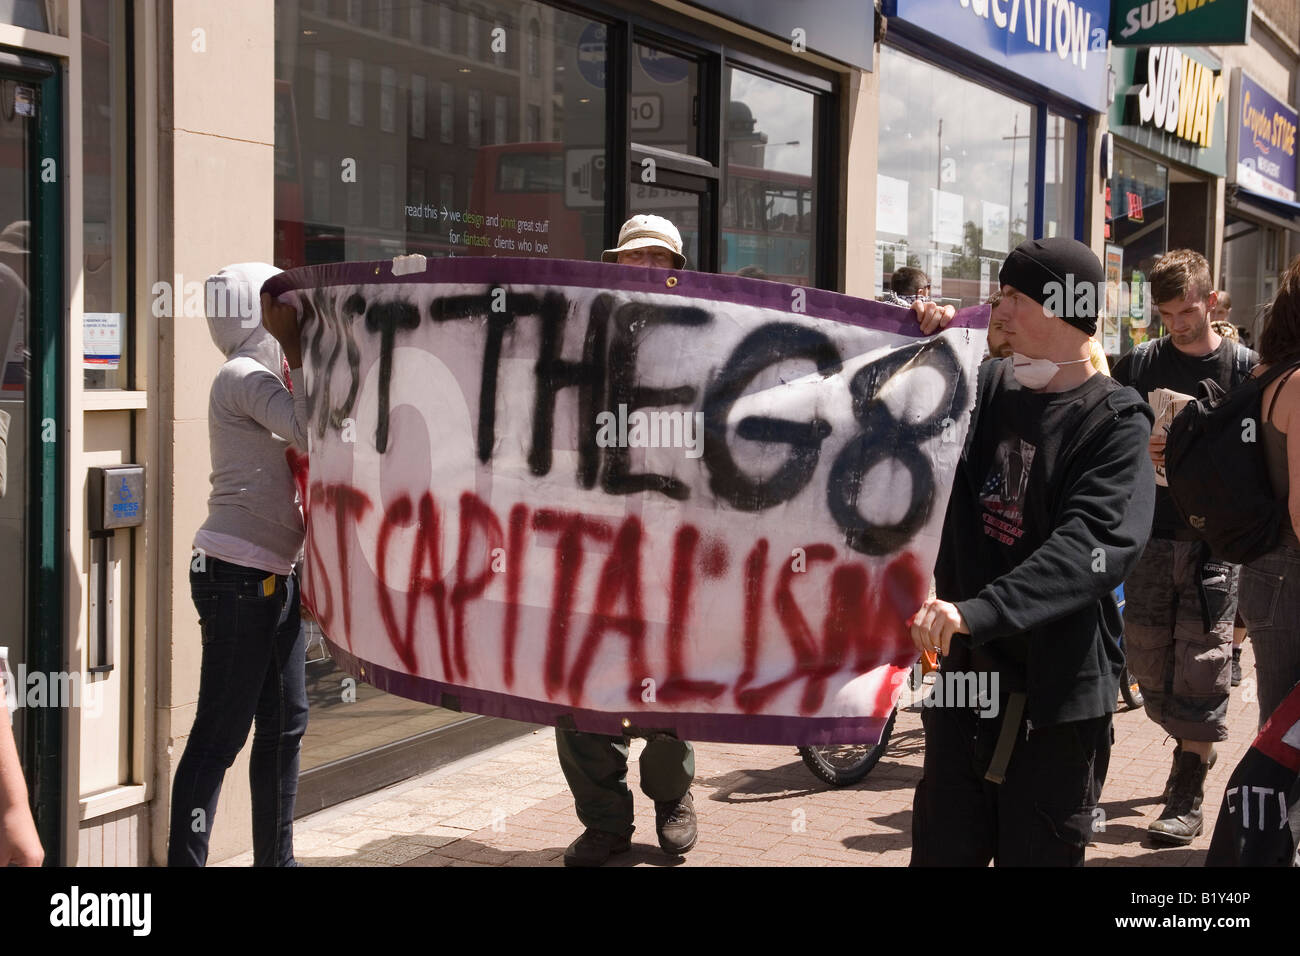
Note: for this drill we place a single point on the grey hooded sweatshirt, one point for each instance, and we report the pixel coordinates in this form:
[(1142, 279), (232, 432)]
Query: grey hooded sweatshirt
[(254, 513)]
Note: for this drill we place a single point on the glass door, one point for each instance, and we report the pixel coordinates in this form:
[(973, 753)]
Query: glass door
[(32, 457), (17, 103)]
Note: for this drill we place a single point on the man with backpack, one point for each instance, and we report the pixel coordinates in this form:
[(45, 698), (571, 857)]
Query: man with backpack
[(1181, 599)]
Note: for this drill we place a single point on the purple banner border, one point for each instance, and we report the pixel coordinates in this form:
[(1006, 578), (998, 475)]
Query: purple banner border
[(722, 728), (759, 293)]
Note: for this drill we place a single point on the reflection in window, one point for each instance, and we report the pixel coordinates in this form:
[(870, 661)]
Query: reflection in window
[(320, 189), (1061, 152), (388, 99), (354, 12), (665, 100), (474, 118), (527, 147), (500, 119), (533, 53), (954, 178), (356, 89), (471, 35), (386, 16), (768, 197), (416, 25), (530, 173), (447, 113), (444, 26), (387, 195), (419, 107), (321, 100)]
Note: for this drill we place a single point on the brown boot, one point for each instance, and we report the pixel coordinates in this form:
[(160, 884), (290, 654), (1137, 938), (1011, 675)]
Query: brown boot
[(1181, 823)]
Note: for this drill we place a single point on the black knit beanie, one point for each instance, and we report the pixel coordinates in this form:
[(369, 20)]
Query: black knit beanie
[(1062, 274)]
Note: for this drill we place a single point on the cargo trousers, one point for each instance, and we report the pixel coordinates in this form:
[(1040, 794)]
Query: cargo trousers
[(595, 766)]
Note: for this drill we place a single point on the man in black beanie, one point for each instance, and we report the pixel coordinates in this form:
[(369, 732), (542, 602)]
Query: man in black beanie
[(1050, 508)]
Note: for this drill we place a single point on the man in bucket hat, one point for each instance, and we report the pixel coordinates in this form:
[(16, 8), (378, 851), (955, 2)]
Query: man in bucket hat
[(595, 765), (647, 241)]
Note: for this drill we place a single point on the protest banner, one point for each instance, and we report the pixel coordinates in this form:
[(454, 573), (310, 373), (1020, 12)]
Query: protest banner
[(608, 497)]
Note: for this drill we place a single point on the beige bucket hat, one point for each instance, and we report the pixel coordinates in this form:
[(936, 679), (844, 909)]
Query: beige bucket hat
[(641, 232)]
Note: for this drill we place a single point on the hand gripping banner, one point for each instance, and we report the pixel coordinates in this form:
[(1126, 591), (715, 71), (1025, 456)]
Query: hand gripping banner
[(614, 498)]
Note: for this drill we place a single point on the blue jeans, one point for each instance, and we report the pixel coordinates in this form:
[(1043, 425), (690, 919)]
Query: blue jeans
[(252, 675), (1270, 609)]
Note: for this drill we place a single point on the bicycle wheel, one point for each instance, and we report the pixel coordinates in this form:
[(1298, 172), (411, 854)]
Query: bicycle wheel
[(1129, 689), (841, 765)]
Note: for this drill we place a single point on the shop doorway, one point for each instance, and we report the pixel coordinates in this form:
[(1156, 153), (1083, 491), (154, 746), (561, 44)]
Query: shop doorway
[(31, 433)]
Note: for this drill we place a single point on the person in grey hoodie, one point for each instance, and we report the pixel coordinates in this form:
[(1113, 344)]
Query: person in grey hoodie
[(243, 582)]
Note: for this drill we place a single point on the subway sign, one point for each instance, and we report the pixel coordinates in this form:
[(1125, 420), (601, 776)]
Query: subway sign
[(1193, 22), (1179, 95)]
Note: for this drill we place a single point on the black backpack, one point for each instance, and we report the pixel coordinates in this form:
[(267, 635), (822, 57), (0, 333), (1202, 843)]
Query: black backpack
[(1217, 472)]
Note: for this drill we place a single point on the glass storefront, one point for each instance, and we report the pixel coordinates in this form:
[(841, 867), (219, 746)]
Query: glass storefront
[(955, 178), (448, 131), (1136, 228), (455, 128)]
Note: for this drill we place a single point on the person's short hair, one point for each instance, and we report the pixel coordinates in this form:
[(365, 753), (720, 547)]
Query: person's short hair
[(994, 299), (1226, 329), (1224, 300), (1182, 273), (908, 280), (1280, 340)]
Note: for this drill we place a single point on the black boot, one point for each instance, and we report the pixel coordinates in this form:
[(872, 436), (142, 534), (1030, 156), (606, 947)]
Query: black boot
[(1173, 769), (1181, 822)]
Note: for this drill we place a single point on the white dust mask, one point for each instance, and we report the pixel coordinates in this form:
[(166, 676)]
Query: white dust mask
[(1035, 373)]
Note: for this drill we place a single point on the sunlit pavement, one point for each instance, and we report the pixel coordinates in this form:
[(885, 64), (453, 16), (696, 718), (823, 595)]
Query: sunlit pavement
[(757, 806)]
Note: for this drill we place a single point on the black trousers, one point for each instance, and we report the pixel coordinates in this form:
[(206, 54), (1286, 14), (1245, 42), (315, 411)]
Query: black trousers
[(1043, 813)]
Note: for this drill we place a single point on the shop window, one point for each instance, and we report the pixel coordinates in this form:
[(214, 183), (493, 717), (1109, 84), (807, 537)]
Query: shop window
[(1061, 186), (28, 14), (954, 180), (1136, 224), (769, 194), (468, 120), (665, 100), (107, 328)]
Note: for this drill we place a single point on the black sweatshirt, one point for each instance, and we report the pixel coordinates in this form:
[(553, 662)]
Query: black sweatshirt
[(1051, 507)]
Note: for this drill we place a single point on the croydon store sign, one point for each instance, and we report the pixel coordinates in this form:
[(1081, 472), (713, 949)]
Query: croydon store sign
[(1060, 44)]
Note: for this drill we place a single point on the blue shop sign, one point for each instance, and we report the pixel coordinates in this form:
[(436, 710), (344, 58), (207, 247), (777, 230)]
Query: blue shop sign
[(1266, 142), (1058, 44)]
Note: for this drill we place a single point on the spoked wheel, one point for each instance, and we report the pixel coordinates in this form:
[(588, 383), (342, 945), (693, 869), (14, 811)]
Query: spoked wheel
[(841, 765), (1129, 689)]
